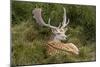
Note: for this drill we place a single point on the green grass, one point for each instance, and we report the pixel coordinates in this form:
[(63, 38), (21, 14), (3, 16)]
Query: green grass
[(29, 48), (29, 40)]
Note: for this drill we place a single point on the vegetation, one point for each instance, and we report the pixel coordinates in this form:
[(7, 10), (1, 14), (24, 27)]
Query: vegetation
[(28, 39)]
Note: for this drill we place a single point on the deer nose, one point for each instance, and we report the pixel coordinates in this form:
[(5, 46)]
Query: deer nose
[(65, 37)]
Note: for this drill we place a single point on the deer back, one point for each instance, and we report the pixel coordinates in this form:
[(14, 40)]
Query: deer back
[(54, 48)]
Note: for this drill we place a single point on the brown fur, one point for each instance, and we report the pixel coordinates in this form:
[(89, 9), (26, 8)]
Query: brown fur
[(54, 48)]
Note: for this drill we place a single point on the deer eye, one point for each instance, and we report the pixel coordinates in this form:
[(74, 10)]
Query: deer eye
[(58, 33)]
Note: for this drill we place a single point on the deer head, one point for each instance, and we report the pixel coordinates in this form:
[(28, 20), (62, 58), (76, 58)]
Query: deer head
[(59, 32)]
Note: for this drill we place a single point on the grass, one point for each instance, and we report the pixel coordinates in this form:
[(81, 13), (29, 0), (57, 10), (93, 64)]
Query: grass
[(29, 40), (29, 48)]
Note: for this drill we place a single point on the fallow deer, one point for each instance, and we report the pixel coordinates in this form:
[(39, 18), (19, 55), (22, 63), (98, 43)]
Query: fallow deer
[(54, 45)]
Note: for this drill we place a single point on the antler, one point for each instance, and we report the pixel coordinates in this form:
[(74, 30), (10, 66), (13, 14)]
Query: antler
[(64, 24), (39, 20)]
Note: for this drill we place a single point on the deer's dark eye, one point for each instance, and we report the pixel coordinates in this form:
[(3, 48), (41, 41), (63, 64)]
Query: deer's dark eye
[(58, 33)]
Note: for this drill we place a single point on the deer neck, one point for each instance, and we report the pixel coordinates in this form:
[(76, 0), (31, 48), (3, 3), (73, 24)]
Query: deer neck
[(54, 38)]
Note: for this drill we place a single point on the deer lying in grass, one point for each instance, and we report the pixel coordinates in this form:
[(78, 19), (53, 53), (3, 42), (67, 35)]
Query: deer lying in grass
[(55, 46)]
